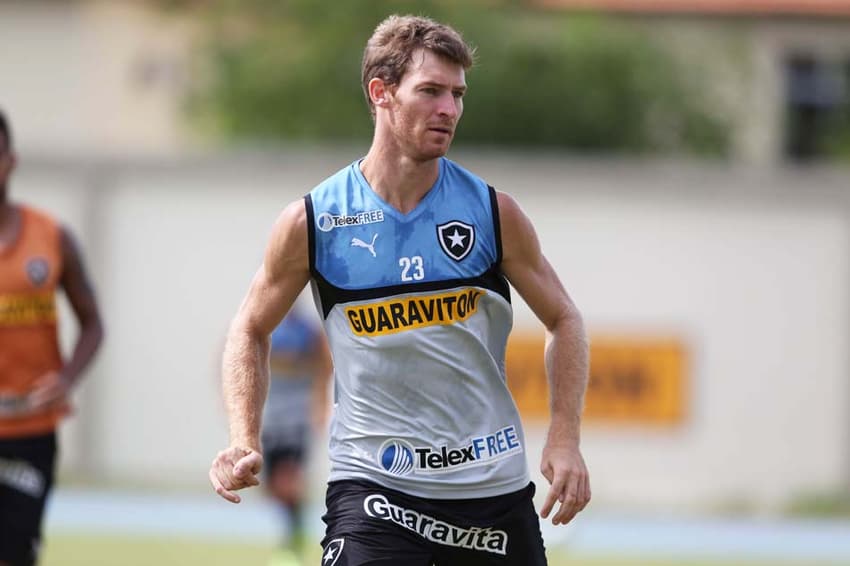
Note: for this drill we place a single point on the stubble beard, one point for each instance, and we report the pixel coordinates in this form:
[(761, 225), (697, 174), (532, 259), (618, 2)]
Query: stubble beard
[(425, 151)]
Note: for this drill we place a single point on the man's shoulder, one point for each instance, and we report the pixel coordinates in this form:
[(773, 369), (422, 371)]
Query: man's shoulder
[(457, 173), (40, 220), (333, 181), (37, 214)]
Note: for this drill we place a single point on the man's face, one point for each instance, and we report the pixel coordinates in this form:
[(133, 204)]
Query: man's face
[(425, 107)]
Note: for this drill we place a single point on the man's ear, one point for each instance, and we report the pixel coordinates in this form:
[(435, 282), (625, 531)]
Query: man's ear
[(379, 92)]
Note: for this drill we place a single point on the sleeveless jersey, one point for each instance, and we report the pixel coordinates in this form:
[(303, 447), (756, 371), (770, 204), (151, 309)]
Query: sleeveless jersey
[(29, 273), (417, 314)]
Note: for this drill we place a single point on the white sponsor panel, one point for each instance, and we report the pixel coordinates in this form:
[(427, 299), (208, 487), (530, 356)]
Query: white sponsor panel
[(400, 458)]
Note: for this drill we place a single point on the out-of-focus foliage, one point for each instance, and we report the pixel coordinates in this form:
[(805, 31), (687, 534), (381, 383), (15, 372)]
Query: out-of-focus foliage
[(291, 69), (822, 504)]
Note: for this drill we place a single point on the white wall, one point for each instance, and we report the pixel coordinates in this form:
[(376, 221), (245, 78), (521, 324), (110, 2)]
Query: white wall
[(98, 76), (749, 268)]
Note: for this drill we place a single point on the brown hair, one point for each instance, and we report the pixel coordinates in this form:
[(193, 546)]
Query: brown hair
[(389, 50)]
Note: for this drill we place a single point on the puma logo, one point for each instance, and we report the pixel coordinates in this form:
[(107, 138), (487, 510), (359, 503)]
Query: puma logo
[(358, 243)]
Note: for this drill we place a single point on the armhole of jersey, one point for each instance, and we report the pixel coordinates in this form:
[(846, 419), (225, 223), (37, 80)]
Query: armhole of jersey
[(311, 234), (497, 226), (320, 283)]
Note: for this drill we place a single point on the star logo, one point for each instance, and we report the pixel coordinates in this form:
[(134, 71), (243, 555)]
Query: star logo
[(332, 552), (456, 238)]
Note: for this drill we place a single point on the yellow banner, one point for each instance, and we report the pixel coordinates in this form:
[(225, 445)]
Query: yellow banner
[(397, 315), (22, 309), (633, 379)]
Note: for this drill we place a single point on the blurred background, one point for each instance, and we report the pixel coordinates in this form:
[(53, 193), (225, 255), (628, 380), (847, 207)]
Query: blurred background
[(686, 164)]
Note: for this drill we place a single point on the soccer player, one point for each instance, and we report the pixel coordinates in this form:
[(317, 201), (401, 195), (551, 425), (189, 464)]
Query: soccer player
[(295, 409), (409, 256), (37, 257)]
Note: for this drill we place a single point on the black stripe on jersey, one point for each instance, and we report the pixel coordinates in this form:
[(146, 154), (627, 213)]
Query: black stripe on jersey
[(331, 295), (311, 235), (497, 226)]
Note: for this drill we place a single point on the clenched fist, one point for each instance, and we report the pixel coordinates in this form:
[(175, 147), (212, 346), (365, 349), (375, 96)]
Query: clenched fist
[(233, 469)]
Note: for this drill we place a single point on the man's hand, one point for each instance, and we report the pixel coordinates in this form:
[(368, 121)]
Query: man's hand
[(564, 468), (50, 389), (233, 469)]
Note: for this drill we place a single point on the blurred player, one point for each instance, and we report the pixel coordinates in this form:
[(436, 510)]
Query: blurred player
[(410, 256), (295, 410), (37, 257)]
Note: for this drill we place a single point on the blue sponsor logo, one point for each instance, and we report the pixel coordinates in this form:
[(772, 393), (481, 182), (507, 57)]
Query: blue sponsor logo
[(396, 457), (326, 221)]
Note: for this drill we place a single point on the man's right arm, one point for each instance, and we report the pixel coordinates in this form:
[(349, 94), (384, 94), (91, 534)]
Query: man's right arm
[(245, 371)]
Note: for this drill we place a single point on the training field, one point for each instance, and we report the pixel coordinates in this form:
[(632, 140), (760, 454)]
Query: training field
[(88, 550), (114, 528)]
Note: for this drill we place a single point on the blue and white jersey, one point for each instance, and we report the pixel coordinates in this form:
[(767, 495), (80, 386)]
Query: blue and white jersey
[(417, 314)]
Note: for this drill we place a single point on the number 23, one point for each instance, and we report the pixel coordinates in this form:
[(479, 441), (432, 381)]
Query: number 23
[(418, 269)]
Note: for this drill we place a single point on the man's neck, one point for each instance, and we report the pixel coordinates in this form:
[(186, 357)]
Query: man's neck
[(401, 181)]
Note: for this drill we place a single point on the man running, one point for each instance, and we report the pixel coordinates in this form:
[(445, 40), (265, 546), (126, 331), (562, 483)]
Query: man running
[(410, 256)]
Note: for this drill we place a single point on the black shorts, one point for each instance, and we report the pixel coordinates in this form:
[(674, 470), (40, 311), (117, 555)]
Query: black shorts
[(26, 477), (369, 524)]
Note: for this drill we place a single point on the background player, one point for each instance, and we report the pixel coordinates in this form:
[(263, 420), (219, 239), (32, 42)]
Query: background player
[(37, 257), (296, 409)]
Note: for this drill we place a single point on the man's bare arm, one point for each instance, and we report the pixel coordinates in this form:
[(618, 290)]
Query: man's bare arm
[(54, 387), (245, 364), (566, 359)]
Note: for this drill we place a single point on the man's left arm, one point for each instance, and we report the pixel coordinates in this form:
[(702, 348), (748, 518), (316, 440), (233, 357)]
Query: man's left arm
[(566, 358), (75, 283)]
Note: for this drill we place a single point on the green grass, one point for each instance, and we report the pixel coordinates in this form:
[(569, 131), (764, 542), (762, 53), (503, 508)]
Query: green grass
[(89, 550)]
